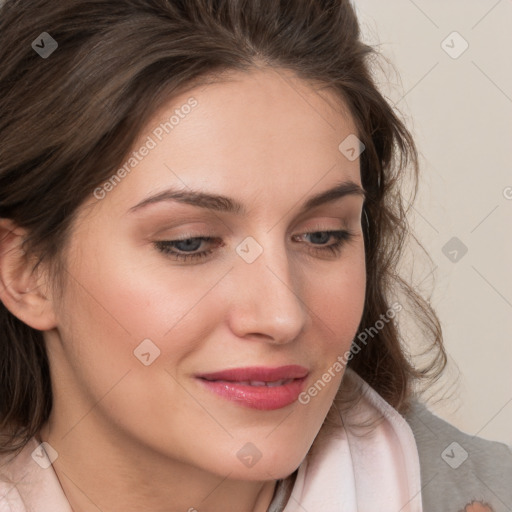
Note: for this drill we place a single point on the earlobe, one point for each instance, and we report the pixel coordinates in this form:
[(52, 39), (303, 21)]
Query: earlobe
[(22, 291)]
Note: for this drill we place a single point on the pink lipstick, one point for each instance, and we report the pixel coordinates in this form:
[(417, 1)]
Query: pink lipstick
[(260, 388)]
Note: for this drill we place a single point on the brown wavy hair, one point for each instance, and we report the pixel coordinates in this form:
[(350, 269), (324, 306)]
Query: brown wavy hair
[(68, 121)]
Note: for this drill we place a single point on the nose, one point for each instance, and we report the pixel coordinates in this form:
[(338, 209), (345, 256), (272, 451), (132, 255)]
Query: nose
[(267, 294)]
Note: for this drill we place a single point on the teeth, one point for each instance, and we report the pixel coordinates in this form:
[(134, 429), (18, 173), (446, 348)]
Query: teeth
[(262, 383), (256, 383), (276, 383)]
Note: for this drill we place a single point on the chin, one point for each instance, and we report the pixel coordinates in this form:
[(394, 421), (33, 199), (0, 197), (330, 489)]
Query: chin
[(270, 463)]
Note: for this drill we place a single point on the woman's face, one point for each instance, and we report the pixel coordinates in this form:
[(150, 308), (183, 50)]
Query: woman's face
[(262, 286)]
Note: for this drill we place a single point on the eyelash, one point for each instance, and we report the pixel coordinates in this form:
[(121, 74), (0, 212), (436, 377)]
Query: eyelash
[(165, 246)]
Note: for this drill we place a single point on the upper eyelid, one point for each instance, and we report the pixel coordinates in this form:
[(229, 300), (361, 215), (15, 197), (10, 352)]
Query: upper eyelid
[(213, 236), (347, 212), (346, 220)]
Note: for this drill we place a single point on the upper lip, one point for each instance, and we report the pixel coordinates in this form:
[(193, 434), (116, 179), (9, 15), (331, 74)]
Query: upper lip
[(258, 373)]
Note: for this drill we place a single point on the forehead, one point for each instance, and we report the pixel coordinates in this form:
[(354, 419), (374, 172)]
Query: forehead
[(267, 102), (264, 133)]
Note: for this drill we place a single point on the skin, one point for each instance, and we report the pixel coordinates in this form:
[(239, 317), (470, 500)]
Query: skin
[(477, 506), (131, 437)]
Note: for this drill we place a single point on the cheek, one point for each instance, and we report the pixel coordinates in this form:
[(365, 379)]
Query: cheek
[(128, 298), (337, 299), (110, 306), (338, 304), (110, 312)]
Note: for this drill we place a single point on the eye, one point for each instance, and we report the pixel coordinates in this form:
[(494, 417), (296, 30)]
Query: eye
[(185, 249), (188, 246), (341, 237)]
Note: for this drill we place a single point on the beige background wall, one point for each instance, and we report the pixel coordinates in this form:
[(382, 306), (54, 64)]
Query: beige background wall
[(458, 103)]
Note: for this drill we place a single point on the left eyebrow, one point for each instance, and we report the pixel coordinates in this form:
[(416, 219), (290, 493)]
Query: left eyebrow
[(222, 203)]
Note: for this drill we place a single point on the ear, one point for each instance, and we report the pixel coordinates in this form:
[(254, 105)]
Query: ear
[(22, 291)]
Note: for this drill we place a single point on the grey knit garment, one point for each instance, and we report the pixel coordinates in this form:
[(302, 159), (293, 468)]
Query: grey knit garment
[(282, 493), (456, 468)]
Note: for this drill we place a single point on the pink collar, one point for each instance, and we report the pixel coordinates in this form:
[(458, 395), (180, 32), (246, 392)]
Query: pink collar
[(344, 471)]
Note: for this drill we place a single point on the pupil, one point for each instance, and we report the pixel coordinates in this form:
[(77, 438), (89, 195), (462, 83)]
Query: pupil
[(190, 244), (320, 235)]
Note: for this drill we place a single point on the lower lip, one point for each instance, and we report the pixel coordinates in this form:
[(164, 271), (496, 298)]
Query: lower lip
[(264, 398)]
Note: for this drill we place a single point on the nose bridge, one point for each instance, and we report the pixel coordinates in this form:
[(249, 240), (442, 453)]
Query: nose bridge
[(268, 288)]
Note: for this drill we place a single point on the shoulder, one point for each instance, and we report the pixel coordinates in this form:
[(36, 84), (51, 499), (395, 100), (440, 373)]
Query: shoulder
[(457, 468), (29, 483), (10, 499)]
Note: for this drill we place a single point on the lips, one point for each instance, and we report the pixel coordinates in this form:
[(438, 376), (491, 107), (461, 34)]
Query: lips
[(257, 387)]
